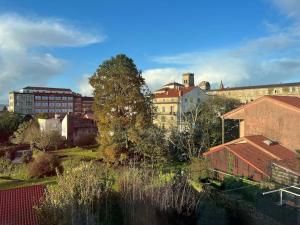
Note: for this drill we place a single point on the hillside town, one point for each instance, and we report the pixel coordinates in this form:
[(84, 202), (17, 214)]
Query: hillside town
[(150, 113)]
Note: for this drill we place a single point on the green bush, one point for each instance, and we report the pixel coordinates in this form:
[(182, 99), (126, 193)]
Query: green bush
[(44, 164)]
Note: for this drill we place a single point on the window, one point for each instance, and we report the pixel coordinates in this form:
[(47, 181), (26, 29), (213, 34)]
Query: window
[(70, 98), (198, 100), (37, 104), (57, 98), (163, 109), (171, 109), (191, 100), (51, 97), (58, 104), (37, 97), (64, 98), (185, 100), (163, 119), (45, 97)]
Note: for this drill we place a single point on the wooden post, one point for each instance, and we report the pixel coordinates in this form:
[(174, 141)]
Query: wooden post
[(223, 132), (280, 197)]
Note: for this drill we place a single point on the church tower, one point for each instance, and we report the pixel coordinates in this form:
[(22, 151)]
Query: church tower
[(188, 80)]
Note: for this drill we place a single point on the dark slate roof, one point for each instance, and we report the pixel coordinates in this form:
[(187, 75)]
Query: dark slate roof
[(47, 88), (16, 205), (259, 86)]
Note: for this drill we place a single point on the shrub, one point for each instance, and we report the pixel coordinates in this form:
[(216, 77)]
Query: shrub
[(43, 165)]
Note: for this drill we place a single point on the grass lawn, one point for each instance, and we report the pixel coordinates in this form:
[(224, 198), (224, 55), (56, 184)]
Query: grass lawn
[(19, 177), (77, 153), (15, 183)]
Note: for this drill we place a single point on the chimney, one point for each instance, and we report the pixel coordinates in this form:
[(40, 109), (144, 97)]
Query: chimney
[(188, 79)]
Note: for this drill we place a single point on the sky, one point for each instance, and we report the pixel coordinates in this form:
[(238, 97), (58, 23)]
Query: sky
[(61, 43)]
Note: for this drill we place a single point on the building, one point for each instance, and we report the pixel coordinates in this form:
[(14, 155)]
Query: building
[(276, 117), (79, 131), (173, 100), (250, 93), (248, 157), (51, 124), (35, 100), (269, 136), (17, 205)]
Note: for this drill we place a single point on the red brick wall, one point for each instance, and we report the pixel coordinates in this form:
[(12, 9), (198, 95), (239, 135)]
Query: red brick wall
[(276, 122)]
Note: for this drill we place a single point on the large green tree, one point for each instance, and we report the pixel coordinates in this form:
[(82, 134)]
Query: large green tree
[(122, 102)]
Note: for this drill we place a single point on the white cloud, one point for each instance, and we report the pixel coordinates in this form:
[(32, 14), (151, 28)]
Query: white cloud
[(84, 86), (23, 56), (291, 8), (268, 59)]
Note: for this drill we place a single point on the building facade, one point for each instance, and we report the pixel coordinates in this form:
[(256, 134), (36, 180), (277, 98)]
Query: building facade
[(269, 138), (35, 100), (250, 93), (173, 100)]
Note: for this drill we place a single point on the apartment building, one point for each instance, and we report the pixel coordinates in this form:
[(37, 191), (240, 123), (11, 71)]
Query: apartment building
[(173, 100), (35, 100)]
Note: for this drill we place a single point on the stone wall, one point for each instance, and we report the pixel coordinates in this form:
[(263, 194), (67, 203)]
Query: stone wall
[(248, 94), (284, 176)]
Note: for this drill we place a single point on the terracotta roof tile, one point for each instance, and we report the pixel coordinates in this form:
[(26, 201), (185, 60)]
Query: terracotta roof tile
[(253, 155), (16, 205), (290, 100), (291, 164), (277, 150), (173, 92), (254, 151)]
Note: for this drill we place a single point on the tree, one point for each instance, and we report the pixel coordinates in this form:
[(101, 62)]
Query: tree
[(203, 127), (28, 133), (150, 143), (121, 102), (9, 123), (49, 139)]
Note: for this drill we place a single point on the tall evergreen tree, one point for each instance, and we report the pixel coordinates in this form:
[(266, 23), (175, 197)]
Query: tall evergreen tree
[(122, 102)]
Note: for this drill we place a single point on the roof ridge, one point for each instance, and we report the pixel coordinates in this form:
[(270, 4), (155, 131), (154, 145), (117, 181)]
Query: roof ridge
[(261, 148)]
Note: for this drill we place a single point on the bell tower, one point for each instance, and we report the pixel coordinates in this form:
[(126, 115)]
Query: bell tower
[(188, 79)]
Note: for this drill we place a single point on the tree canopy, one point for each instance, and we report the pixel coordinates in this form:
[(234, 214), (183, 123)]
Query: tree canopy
[(122, 102)]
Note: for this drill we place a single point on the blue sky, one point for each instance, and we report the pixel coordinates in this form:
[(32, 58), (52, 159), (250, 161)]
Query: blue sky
[(61, 43)]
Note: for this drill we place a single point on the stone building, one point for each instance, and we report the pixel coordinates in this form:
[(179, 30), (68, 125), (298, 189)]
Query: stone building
[(250, 93), (79, 131), (173, 100), (35, 100), (51, 124), (269, 138)]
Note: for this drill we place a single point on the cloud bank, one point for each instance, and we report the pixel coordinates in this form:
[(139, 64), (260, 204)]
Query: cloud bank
[(23, 43), (272, 58)]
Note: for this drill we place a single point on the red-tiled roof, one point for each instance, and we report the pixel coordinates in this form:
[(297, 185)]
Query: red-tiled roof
[(174, 92), (16, 205), (276, 150), (290, 100), (291, 164), (252, 155), (255, 152)]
